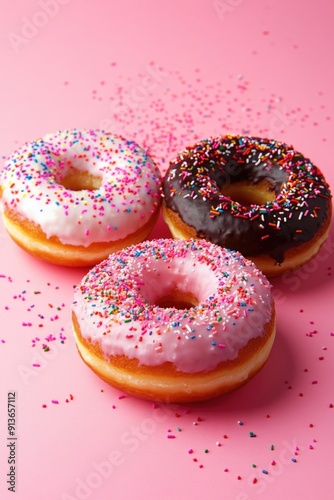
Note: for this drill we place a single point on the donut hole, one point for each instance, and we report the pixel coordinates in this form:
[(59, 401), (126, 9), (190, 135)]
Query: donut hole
[(178, 283), (178, 300), (247, 193), (78, 180)]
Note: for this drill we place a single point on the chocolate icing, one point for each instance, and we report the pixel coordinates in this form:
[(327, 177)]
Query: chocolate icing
[(194, 183)]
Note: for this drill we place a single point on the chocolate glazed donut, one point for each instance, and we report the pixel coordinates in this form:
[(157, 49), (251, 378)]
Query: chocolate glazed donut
[(258, 196)]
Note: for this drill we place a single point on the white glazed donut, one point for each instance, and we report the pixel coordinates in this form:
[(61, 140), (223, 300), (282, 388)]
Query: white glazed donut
[(75, 196), (174, 320)]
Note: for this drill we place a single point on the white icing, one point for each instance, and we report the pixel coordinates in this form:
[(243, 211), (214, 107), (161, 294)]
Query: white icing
[(124, 202)]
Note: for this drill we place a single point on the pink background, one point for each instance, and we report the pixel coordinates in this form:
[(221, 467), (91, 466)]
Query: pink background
[(165, 74)]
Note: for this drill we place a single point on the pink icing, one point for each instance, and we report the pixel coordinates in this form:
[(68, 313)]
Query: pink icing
[(124, 202), (115, 304)]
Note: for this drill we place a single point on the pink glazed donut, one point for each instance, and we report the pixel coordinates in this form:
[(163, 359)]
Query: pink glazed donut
[(174, 320)]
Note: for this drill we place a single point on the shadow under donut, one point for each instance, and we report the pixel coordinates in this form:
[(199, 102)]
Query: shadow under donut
[(267, 386)]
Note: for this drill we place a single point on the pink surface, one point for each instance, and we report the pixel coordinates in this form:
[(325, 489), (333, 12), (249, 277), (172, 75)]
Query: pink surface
[(165, 74)]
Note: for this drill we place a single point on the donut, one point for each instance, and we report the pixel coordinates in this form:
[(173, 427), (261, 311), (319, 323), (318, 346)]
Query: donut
[(174, 320), (258, 196), (75, 196)]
